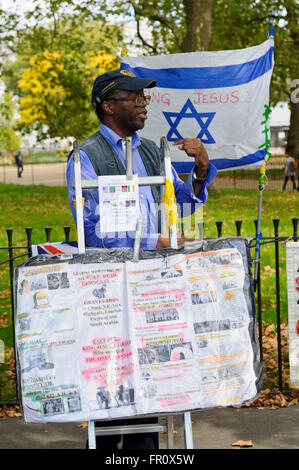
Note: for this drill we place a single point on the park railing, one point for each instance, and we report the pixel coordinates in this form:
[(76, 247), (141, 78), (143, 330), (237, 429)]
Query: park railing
[(13, 259), (247, 178)]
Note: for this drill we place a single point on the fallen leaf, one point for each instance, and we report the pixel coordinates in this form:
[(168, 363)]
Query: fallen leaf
[(269, 269), (82, 425), (293, 402), (9, 373), (242, 444), (4, 320), (4, 293), (3, 415), (269, 330), (11, 412)]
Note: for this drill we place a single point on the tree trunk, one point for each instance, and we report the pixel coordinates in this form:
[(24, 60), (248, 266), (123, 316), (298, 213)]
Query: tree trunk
[(293, 135), (198, 25)]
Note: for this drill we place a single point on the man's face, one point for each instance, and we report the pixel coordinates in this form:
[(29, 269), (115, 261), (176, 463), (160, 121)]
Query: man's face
[(127, 116)]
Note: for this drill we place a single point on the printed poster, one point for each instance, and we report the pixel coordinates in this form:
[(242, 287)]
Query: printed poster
[(73, 346), (292, 265), (120, 339), (106, 362), (46, 340), (220, 321), (162, 328)]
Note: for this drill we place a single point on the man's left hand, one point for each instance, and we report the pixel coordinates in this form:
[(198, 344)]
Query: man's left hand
[(195, 148)]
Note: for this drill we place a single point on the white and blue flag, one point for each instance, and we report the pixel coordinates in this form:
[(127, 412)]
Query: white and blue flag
[(218, 96)]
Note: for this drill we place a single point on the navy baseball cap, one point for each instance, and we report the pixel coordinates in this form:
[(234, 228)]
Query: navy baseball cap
[(118, 80)]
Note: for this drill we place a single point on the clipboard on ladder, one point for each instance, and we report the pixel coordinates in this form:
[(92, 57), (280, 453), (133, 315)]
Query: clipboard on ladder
[(79, 185)]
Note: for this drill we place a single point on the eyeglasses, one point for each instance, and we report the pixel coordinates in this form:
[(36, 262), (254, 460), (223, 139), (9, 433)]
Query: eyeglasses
[(139, 100)]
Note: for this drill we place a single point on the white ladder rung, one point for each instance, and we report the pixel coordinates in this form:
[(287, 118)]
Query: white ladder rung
[(130, 429), (142, 181)]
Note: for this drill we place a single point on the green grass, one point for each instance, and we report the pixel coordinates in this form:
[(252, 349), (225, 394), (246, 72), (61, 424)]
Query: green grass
[(272, 174), (35, 206), (43, 156), (26, 206), (41, 206)]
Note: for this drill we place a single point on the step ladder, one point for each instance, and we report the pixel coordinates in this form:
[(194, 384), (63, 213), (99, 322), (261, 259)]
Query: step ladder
[(79, 185)]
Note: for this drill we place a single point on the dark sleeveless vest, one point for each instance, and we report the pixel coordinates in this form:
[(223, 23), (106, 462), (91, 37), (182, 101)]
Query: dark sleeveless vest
[(106, 161)]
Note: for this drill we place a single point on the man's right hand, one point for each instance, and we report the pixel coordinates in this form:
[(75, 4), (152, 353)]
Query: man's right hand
[(164, 241)]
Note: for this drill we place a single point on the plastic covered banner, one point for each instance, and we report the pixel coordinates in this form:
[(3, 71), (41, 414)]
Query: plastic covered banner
[(292, 265), (98, 336)]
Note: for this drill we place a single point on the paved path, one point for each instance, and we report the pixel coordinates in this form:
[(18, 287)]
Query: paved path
[(212, 429), (51, 174)]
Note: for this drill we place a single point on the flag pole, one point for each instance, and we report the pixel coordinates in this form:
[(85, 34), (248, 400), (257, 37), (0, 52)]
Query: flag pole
[(259, 236)]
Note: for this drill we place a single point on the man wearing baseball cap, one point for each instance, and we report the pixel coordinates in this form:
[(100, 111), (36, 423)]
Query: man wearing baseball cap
[(121, 106)]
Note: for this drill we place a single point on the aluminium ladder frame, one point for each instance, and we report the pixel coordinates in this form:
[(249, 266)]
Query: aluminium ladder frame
[(79, 185)]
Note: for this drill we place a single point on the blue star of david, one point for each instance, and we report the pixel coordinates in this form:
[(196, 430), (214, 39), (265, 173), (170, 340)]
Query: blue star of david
[(174, 119)]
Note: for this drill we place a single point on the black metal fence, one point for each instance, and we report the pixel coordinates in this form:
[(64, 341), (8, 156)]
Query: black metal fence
[(12, 260), (248, 179)]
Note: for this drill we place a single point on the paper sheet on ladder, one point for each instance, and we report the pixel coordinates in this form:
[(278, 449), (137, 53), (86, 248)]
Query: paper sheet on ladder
[(118, 203)]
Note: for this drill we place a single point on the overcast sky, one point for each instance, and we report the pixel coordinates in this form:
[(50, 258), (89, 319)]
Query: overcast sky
[(19, 5)]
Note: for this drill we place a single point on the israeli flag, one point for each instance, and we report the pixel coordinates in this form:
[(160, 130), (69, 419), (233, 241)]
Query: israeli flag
[(218, 96)]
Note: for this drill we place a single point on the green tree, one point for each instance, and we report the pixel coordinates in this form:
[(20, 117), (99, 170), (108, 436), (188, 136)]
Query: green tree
[(192, 25), (175, 26), (79, 34), (55, 64), (244, 23), (9, 139)]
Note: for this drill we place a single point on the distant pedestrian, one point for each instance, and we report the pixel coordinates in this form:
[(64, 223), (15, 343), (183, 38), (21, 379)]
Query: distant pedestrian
[(19, 163), (290, 166)]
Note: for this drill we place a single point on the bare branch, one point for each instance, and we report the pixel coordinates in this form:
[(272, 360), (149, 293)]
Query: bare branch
[(154, 16), (144, 42)]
